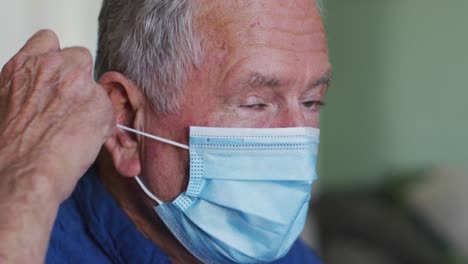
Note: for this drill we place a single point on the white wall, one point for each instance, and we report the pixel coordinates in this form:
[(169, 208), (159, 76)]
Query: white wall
[(74, 21)]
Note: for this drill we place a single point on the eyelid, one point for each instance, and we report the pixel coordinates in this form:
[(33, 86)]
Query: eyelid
[(313, 104), (256, 106), (319, 102), (254, 103), (253, 100)]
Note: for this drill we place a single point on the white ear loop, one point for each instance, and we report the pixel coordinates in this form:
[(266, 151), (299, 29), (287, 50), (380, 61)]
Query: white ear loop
[(142, 185), (154, 137), (150, 195)]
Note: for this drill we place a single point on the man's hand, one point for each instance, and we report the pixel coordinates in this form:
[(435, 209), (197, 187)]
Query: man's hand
[(53, 121)]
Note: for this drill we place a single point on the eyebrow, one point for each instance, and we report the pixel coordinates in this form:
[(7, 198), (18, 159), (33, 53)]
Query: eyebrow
[(324, 80), (256, 79)]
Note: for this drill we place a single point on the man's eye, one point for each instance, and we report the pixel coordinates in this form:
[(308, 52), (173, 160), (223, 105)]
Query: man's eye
[(314, 105), (255, 106)]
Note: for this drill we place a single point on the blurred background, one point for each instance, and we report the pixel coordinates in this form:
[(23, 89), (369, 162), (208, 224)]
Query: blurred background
[(394, 151), (394, 148)]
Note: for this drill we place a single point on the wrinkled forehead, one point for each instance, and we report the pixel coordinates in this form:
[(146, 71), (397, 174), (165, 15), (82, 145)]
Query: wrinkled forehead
[(234, 22)]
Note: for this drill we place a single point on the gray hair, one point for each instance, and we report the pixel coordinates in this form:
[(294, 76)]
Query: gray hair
[(153, 43)]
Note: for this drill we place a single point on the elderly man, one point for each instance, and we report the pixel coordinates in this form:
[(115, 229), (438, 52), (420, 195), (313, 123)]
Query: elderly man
[(204, 123)]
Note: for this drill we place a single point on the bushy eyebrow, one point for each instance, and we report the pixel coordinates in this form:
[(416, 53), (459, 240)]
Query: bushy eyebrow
[(324, 80), (256, 79)]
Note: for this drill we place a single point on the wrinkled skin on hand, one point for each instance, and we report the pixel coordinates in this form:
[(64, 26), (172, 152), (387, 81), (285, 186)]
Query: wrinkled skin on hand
[(53, 118), (53, 121)]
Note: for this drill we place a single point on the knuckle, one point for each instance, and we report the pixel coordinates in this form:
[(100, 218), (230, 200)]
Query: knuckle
[(84, 54), (46, 32), (78, 84), (79, 76), (49, 35), (47, 62), (83, 51)]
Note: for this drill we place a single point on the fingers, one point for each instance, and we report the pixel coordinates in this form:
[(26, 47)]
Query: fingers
[(42, 42), (45, 42), (42, 60), (79, 57)]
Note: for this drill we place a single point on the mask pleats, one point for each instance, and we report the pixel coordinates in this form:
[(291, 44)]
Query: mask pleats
[(296, 165), (250, 202), (220, 224), (248, 193)]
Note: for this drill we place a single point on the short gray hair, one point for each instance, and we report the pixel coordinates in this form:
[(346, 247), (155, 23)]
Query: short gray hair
[(153, 43)]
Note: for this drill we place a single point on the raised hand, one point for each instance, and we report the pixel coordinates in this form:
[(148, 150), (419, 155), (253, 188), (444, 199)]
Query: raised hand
[(53, 121)]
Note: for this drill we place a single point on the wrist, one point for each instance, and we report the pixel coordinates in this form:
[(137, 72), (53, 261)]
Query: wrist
[(29, 186), (28, 211)]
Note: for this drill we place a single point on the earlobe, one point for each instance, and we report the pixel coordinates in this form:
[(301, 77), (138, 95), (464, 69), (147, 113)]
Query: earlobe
[(123, 150), (122, 146)]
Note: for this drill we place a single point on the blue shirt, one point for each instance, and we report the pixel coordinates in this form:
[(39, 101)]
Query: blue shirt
[(91, 228)]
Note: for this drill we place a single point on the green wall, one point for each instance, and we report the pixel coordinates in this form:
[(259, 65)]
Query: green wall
[(399, 98)]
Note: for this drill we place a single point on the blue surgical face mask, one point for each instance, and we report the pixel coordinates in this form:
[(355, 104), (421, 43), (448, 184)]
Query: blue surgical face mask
[(248, 193)]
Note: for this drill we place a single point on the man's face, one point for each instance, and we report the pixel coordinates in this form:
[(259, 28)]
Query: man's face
[(266, 65)]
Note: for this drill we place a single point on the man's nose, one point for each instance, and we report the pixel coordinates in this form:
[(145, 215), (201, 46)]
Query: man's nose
[(291, 117)]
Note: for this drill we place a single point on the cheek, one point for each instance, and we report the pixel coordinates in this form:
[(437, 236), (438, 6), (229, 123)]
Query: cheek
[(234, 117), (313, 120), (198, 109), (166, 167)]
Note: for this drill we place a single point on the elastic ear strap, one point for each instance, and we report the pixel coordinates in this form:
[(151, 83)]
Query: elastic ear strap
[(150, 195), (167, 141)]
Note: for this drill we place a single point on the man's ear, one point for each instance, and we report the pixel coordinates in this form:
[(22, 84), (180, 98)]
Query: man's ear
[(127, 102)]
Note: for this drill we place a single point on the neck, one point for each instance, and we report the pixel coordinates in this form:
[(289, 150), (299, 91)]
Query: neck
[(139, 208)]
